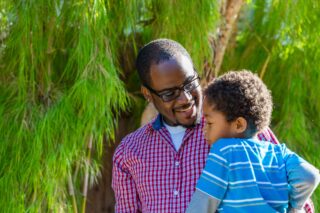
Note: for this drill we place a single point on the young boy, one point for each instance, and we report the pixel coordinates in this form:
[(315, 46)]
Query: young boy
[(243, 174)]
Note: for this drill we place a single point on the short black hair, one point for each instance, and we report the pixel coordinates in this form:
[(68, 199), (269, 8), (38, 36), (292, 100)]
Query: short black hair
[(241, 94), (157, 51)]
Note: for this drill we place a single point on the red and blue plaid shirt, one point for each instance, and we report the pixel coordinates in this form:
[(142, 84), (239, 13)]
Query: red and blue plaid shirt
[(149, 175)]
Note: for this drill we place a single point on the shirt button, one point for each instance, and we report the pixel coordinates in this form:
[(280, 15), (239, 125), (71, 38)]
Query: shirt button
[(175, 192), (177, 163)]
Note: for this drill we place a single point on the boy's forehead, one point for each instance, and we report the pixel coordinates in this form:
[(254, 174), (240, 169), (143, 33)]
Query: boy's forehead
[(208, 106)]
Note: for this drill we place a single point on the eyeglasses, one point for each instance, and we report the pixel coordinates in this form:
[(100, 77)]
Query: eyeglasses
[(173, 93)]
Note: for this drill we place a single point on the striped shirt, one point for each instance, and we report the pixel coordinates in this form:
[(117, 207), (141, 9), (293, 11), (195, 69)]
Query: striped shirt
[(149, 175), (248, 175)]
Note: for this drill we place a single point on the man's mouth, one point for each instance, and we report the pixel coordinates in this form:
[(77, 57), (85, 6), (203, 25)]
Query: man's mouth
[(186, 113), (184, 108)]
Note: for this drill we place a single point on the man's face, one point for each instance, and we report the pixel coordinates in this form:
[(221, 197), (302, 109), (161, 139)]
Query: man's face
[(174, 73), (216, 125)]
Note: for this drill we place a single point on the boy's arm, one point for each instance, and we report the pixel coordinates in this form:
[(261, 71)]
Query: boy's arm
[(201, 202), (268, 135), (303, 179)]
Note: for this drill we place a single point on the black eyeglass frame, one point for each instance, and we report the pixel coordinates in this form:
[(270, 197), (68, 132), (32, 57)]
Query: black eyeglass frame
[(180, 88)]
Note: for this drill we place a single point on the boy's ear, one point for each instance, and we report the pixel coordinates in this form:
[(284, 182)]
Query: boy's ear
[(240, 125), (146, 93)]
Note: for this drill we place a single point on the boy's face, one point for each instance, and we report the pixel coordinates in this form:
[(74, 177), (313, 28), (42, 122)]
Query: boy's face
[(165, 77), (216, 126)]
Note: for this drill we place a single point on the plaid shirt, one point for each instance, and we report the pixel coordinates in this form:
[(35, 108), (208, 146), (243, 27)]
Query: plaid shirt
[(149, 175)]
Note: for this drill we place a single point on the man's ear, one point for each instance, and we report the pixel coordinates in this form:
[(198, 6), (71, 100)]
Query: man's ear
[(240, 125), (146, 93)]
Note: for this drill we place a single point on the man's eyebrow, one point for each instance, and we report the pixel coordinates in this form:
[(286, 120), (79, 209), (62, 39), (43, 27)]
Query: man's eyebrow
[(168, 89)]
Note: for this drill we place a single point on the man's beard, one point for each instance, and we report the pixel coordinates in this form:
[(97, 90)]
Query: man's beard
[(198, 114)]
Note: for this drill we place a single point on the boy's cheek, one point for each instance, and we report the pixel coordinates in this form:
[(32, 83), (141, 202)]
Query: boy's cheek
[(204, 129), (205, 132)]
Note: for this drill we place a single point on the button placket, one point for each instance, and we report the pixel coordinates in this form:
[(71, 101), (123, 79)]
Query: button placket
[(177, 175)]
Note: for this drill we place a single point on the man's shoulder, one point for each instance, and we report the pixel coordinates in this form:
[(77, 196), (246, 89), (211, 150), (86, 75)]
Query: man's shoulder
[(135, 138)]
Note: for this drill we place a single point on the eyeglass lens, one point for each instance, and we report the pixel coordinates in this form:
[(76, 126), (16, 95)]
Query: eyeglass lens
[(173, 94)]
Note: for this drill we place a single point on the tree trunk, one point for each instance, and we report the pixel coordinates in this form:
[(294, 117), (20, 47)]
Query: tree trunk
[(229, 11)]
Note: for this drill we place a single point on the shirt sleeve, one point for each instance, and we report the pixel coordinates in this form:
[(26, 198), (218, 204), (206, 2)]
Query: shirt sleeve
[(201, 202), (214, 178), (268, 135), (303, 178), (123, 185)]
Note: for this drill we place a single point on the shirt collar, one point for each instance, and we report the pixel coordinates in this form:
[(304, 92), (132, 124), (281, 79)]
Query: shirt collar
[(157, 123)]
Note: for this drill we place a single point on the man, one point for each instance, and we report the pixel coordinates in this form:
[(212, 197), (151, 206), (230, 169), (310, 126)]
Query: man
[(155, 168)]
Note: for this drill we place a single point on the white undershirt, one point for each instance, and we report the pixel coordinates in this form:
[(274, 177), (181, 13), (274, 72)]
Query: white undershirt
[(176, 133)]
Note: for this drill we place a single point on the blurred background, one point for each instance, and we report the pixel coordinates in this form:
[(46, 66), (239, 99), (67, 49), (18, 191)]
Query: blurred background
[(69, 90)]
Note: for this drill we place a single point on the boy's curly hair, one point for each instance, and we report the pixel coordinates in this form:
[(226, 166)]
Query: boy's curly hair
[(241, 94)]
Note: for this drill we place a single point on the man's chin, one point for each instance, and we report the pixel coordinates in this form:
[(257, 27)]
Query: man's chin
[(190, 122), (188, 119)]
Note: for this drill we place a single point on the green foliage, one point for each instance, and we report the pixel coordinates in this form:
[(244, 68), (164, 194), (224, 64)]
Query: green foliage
[(61, 65), (59, 88), (280, 41), (189, 22)]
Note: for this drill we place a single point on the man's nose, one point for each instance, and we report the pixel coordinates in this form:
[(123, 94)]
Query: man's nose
[(185, 96)]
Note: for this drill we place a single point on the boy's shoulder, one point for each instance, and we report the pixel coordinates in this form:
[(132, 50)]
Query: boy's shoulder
[(229, 143), (225, 144)]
